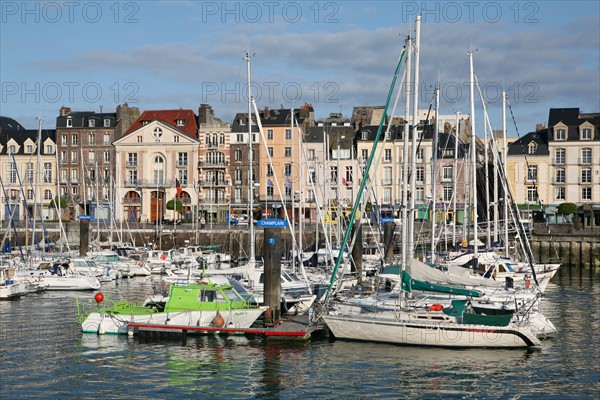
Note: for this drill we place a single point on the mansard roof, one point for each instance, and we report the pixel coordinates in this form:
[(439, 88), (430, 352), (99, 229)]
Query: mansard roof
[(169, 117), (20, 136), (520, 147)]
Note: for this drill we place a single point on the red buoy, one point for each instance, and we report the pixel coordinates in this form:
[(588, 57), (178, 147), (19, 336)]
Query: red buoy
[(99, 297)]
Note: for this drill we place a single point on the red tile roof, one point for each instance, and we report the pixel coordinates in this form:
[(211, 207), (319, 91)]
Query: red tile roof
[(169, 117)]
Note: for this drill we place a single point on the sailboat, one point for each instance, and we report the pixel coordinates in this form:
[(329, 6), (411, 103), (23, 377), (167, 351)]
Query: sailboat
[(456, 325)]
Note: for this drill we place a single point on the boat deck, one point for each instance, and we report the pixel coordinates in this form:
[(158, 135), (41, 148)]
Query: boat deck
[(291, 328)]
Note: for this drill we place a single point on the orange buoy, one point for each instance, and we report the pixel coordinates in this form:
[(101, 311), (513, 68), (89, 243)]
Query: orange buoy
[(99, 297), (218, 321), (436, 307)]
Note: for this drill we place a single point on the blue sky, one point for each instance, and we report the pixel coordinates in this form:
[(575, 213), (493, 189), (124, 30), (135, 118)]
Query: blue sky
[(332, 54)]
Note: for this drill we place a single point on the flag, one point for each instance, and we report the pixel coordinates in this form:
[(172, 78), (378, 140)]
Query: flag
[(344, 182), (178, 187), (288, 183), (269, 183)]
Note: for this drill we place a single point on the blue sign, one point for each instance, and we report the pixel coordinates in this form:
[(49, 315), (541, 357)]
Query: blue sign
[(271, 241), (384, 220), (272, 223), (84, 217)]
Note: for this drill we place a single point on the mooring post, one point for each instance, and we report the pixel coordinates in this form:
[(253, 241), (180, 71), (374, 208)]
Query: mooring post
[(357, 250), (84, 236), (388, 242), (272, 281)]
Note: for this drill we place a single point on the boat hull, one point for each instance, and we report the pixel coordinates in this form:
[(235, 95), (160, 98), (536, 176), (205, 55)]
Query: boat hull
[(429, 333)]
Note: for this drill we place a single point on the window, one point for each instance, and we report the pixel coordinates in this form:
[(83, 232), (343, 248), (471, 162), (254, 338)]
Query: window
[(74, 140), (158, 171), (532, 148), (447, 173), (91, 139), (132, 159), (387, 155), (140, 139), (176, 139), (29, 149), (288, 134), (47, 173), (132, 177), (92, 175), (560, 156), (222, 138), (29, 194), (387, 195), (311, 196), (182, 159), (532, 173), (560, 176), (182, 176), (269, 191), (349, 174), (287, 169), (73, 157), (74, 176), (333, 173), (420, 175), (447, 193), (12, 149), (288, 192), (63, 157), (586, 193), (312, 176), (269, 134), (47, 194), (92, 157), (106, 123), (106, 175), (240, 138), (586, 175), (287, 152), (12, 173), (237, 155), (420, 153), (237, 194), (311, 154), (107, 139), (387, 176), (29, 172), (560, 193), (74, 190), (63, 139), (364, 155), (388, 135), (91, 123), (364, 135), (214, 140), (270, 151), (69, 122), (586, 134), (586, 155), (532, 195), (181, 122), (560, 134), (269, 170), (419, 195), (107, 156), (49, 149), (238, 175)]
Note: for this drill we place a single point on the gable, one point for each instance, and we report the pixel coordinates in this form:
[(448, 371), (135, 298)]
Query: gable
[(156, 132)]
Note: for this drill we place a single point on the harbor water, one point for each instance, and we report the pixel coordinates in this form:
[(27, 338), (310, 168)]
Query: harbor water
[(43, 354)]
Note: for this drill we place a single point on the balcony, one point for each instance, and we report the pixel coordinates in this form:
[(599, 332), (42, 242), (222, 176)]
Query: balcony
[(92, 161), (213, 183), (387, 160), (386, 181), (212, 164), (131, 164), (150, 183), (74, 180)]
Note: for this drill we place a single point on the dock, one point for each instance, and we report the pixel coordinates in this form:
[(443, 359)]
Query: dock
[(292, 328)]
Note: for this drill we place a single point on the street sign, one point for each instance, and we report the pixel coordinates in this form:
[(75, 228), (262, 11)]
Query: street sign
[(384, 220), (84, 217), (272, 223)]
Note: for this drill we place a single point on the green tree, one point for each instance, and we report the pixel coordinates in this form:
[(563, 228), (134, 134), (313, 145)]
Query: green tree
[(567, 209), (174, 205), (60, 201)]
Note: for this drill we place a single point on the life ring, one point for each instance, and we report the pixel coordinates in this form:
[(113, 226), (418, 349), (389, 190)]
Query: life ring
[(163, 257), (436, 307)]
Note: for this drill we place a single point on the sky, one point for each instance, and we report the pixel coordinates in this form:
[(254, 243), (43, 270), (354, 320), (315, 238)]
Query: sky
[(335, 55)]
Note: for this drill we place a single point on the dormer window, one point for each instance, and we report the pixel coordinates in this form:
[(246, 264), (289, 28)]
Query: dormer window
[(181, 122), (560, 134), (92, 123), (29, 149), (241, 121), (12, 149), (586, 134), (107, 123), (144, 123), (531, 148), (364, 135), (69, 122)]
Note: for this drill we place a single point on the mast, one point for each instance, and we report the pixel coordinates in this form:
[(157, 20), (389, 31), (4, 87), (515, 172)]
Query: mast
[(413, 164), (404, 203), (37, 177), (455, 178), (292, 190), (505, 151), (473, 155), (433, 171), (250, 171)]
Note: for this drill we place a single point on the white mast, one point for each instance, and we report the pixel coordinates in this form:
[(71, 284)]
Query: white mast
[(292, 190), (433, 171), (250, 175), (473, 154), (37, 177), (415, 121), (505, 151), (455, 178), (404, 203)]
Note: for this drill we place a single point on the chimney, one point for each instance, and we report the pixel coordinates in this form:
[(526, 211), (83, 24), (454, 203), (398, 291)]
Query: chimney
[(266, 113), (206, 114), (539, 127), (64, 111)]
